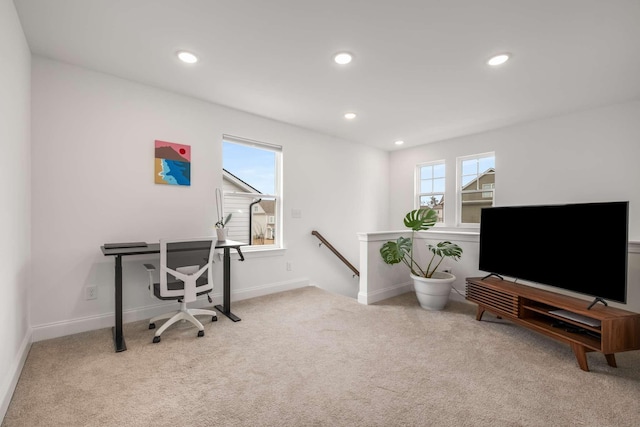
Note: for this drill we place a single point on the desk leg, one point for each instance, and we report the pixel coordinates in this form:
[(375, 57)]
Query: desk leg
[(226, 292), (118, 337)]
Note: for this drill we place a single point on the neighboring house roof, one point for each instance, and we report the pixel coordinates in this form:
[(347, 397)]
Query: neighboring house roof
[(239, 182), (268, 206), (490, 170)]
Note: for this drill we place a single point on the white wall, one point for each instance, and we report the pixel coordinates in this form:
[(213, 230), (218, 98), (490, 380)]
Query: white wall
[(583, 157), (15, 210), (93, 137)]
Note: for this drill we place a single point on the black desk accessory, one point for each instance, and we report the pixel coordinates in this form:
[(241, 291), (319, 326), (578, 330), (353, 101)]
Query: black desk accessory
[(125, 245)]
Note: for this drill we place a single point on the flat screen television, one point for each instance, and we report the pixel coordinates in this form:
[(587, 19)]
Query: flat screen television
[(581, 247)]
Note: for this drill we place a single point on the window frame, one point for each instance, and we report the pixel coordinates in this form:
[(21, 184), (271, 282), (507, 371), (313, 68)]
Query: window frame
[(278, 197), (418, 194), (460, 192)]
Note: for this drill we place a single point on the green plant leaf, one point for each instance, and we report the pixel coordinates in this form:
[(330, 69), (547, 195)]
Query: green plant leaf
[(446, 249), (421, 219), (401, 250), (394, 252)]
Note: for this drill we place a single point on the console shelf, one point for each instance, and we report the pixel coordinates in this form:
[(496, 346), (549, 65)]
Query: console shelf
[(619, 330)]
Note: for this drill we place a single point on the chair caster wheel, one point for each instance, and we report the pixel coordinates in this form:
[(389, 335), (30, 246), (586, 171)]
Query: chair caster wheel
[(156, 340), (214, 319), (152, 325), (200, 333)]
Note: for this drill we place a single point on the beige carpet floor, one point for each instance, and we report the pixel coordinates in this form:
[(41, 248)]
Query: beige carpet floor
[(311, 358)]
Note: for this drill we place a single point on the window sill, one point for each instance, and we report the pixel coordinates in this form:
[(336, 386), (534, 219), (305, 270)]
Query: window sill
[(256, 252)]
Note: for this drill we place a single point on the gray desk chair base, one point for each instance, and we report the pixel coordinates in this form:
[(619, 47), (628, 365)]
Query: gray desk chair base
[(183, 314)]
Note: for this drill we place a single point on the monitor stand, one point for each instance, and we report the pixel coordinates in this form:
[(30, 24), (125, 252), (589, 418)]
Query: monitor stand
[(493, 274), (595, 301)]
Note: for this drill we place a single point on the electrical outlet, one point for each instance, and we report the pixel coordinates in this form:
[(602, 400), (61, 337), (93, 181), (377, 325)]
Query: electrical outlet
[(289, 266), (91, 292)]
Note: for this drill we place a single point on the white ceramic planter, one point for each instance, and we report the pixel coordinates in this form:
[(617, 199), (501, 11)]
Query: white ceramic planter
[(221, 234), (433, 293)]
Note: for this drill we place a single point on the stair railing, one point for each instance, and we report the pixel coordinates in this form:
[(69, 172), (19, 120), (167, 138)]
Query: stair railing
[(338, 254)]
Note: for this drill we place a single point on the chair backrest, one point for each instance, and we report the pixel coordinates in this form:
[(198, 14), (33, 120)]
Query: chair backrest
[(186, 260)]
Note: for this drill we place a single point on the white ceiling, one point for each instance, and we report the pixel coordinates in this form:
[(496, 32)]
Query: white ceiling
[(419, 71)]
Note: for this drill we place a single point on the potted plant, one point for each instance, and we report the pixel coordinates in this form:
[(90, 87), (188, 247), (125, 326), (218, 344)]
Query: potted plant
[(432, 287), (221, 232)]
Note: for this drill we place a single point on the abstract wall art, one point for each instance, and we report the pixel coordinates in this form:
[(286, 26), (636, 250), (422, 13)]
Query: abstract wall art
[(172, 163)]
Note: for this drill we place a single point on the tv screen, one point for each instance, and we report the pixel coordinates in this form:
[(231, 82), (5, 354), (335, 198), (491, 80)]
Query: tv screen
[(581, 247)]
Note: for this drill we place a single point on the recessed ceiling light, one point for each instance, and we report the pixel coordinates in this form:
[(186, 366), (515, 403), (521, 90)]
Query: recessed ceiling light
[(350, 116), (499, 59), (399, 142), (187, 57), (343, 58)]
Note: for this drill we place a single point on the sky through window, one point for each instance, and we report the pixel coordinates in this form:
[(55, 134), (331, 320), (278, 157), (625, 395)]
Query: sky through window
[(253, 165)]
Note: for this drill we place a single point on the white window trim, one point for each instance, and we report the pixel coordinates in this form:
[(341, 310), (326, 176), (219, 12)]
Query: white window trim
[(417, 187), (279, 167), (250, 252), (459, 161)]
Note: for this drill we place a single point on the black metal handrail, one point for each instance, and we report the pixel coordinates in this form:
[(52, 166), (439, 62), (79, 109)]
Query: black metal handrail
[(338, 254)]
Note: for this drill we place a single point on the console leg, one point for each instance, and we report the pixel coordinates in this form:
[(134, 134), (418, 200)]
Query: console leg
[(611, 360), (581, 356), (479, 313)]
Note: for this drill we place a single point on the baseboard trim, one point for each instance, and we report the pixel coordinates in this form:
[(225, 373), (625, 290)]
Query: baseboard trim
[(272, 288), (382, 294), (13, 375), (105, 320)]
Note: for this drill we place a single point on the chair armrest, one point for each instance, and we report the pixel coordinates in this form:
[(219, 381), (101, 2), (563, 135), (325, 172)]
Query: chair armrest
[(149, 267)]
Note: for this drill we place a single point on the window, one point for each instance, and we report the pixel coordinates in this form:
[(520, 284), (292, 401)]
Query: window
[(430, 179), (252, 193), (477, 176), (488, 194)]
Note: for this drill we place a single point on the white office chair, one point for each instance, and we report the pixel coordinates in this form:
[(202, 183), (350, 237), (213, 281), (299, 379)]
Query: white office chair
[(183, 282)]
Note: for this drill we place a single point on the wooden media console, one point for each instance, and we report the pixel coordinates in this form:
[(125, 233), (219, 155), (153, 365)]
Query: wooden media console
[(534, 308)]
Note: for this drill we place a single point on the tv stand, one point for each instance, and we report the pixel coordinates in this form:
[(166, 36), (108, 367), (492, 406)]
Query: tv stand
[(532, 308)]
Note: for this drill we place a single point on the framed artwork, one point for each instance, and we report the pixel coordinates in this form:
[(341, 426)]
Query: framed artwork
[(172, 163)]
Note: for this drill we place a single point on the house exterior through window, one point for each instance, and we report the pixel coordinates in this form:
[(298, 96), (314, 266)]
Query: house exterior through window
[(476, 178), (252, 191)]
